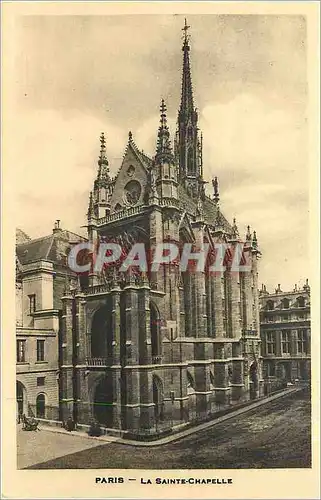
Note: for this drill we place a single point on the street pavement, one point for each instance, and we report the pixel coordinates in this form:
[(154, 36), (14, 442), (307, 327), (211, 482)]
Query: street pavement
[(39, 446), (274, 435)]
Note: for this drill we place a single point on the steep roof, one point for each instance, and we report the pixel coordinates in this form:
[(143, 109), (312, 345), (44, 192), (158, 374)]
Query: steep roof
[(186, 201), (209, 207), (210, 214), (52, 247), (142, 157)]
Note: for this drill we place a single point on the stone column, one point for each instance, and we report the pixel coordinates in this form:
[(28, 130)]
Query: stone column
[(156, 236), (145, 358), (237, 379), (256, 306), (116, 362), (144, 334), (294, 342), (199, 285), (217, 302), (93, 238), (147, 411), (182, 331), (80, 342), (67, 399), (278, 347), (208, 305), (247, 295), (233, 304), (221, 378), (131, 356)]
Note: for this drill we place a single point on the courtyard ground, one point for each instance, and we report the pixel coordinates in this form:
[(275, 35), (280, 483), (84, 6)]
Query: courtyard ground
[(40, 446), (274, 435)]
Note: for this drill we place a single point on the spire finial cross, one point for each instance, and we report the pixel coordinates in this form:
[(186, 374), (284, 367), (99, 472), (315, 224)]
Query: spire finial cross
[(102, 140), (163, 107), (185, 29)]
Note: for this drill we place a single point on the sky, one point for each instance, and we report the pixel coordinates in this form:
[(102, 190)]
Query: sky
[(76, 76)]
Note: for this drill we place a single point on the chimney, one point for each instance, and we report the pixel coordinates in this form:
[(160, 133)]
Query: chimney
[(57, 227)]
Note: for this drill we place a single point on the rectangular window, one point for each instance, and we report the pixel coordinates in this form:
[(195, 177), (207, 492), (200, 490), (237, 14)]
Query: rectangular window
[(21, 351), (302, 342), (285, 342), (270, 343), (40, 350), (40, 381), (32, 303)]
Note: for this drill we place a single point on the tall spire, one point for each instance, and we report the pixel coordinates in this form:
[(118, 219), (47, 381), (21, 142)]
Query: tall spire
[(91, 209), (163, 148), (99, 201), (103, 170), (187, 103), (254, 240), (235, 232), (188, 145)]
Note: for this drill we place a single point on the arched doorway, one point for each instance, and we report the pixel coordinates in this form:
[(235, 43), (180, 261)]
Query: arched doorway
[(254, 380), (21, 398), (103, 401), (191, 396), (101, 332), (41, 406), (158, 399), (155, 331)]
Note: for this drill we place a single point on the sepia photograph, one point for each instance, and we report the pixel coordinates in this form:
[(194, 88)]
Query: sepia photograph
[(161, 191)]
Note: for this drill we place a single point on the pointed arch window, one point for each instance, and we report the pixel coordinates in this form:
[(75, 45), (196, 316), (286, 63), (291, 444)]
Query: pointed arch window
[(190, 162), (212, 380), (190, 381)]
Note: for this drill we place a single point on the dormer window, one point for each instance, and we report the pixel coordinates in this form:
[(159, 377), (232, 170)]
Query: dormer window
[(270, 305), (301, 301)]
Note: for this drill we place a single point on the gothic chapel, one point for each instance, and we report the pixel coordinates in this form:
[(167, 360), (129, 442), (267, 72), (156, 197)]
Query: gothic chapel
[(144, 353)]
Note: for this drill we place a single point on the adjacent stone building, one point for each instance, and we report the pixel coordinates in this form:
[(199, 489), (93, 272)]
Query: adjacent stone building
[(41, 271), (147, 351), (286, 333)]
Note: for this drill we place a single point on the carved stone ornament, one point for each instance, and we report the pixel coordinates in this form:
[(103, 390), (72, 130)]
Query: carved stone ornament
[(132, 192), (130, 170)]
